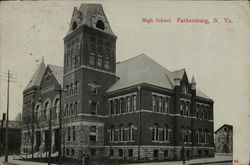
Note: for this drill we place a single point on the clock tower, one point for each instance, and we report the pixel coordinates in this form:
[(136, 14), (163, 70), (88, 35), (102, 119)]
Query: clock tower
[(89, 70)]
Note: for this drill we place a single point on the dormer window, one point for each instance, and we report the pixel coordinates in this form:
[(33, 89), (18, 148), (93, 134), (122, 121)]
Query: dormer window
[(100, 25), (74, 25)]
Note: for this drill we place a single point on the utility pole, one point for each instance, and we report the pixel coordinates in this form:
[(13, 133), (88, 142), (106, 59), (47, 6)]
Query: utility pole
[(49, 162), (183, 149), (139, 122), (9, 79), (7, 121), (1, 132), (32, 127), (60, 90)]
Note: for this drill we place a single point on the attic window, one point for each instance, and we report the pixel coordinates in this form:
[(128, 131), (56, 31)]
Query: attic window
[(100, 25), (74, 25)]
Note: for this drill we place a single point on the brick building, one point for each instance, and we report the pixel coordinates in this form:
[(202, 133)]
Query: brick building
[(135, 109), (14, 136), (224, 139)]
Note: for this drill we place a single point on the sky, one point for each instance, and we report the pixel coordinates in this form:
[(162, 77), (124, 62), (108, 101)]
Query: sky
[(216, 54)]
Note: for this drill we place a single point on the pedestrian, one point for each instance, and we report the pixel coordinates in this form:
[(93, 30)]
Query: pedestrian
[(86, 158), (83, 159)]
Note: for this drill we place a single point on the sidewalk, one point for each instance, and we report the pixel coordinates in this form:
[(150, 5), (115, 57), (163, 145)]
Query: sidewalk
[(11, 161), (217, 159)]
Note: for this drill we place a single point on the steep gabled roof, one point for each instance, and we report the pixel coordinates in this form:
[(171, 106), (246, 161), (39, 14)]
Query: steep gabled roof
[(142, 69), (223, 126), (37, 76), (178, 73), (57, 72)]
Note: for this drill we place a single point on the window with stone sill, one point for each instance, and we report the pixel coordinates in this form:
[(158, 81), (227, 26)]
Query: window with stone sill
[(131, 133), (155, 132), (74, 133), (154, 106), (120, 151), (69, 136), (134, 103), (128, 104), (92, 59), (99, 61), (112, 133), (116, 106), (122, 101), (181, 107), (166, 105), (160, 104), (93, 108), (93, 134), (106, 63), (130, 152)]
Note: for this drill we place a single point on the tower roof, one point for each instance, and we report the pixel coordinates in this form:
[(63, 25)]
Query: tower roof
[(36, 79), (89, 14)]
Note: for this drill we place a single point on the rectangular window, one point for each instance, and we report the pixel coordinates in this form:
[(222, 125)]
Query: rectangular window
[(99, 61), (106, 63), (92, 59), (74, 133), (122, 105), (111, 152), (94, 90), (92, 152), (181, 108), (92, 48), (130, 152), (93, 108), (128, 104), (116, 106), (68, 133), (166, 153), (111, 107), (120, 152), (156, 153), (93, 134), (160, 104), (154, 103), (134, 102), (166, 105)]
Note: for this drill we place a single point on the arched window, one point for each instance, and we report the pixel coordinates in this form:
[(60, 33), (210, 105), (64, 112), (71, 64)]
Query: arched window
[(155, 132), (74, 25), (130, 132), (165, 133), (46, 108), (57, 108), (121, 133), (100, 25), (37, 113)]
